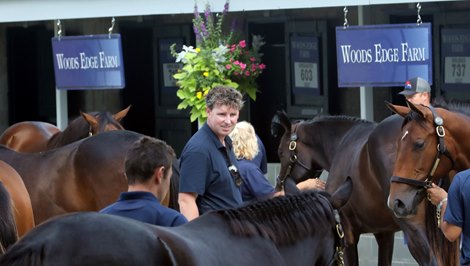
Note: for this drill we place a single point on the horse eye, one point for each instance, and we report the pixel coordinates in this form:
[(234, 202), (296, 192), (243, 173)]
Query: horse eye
[(419, 144)]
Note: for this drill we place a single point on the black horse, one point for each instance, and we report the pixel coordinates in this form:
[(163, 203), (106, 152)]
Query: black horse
[(293, 230)]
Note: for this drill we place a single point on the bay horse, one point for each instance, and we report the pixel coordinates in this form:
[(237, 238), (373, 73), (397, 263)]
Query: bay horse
[(8, 231), (19, 199), (278, 231), (365, 151), (36, 136), (432, 144), (85, 175)]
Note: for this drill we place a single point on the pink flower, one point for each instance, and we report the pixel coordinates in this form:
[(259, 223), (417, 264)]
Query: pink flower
[(252, 59), (262, 66), (247, 73), (242, 66), (242, 44), (228, 66), (236, 63), (253, 67), (236, 73)]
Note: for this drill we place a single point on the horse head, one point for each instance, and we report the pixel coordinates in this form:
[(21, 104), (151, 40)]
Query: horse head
[(296, 158), (103, 121), (425, 154)]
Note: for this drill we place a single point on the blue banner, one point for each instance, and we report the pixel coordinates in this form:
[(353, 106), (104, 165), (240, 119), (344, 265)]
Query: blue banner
[(455, 51), (383, 55), (88, 62), (304, 65)]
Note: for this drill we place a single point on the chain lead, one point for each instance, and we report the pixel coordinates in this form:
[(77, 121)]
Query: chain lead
[(110, 30), (59, 29), (418, 8), (346, 23)]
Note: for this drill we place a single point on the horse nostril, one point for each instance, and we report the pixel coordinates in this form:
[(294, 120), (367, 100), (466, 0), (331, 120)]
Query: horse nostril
[(399, 208)]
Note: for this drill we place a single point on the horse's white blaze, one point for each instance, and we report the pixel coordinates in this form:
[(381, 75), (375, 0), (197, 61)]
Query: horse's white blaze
[(404, 135)]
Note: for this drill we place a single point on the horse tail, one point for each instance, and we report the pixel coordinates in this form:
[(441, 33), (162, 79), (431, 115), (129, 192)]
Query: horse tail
[(446, 252), (174, 185), (8, 230)]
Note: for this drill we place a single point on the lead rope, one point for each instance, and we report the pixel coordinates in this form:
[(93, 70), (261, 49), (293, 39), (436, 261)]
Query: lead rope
[(339, 254)]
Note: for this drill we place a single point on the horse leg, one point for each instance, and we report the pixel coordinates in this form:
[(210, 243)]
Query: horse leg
[(385, 243), (351, 255)]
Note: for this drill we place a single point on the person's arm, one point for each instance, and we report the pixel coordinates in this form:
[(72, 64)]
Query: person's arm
[(438, 196), (311, 183), (450, 231), (188, 207)]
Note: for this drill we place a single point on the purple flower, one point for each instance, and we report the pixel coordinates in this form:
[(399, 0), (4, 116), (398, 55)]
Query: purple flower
[(226, 6)]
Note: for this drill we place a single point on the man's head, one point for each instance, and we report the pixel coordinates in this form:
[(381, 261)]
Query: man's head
[(149, 158), (417, 91), (223, 106)]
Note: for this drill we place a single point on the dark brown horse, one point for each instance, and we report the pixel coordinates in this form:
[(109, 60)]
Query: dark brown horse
[(433, 142), (35, 136), (347, 146), (20, 200), (85, 175), (279, 231)]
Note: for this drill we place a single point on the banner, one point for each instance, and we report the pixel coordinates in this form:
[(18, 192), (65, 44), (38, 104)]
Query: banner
[(88, 62), (455, 51), (304, 65), (383, 55)]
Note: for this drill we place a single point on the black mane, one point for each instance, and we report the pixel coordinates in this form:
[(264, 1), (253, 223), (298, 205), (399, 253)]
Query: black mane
[(284, 220), (340, 118)]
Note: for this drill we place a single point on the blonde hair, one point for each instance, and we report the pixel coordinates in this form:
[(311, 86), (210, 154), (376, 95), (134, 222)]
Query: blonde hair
[(245, 143)]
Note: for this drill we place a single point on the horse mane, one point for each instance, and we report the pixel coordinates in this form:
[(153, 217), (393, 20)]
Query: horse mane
[(321, 118), (452, 105), (283, 220)]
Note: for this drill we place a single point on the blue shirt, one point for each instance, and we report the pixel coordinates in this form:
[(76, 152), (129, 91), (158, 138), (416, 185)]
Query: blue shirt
[(145, 207), (204, 171), (261, 159), (255, 185), (458, 210)]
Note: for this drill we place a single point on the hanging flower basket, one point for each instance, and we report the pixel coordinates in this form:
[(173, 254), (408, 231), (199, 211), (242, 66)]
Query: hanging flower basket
[(217, 60)]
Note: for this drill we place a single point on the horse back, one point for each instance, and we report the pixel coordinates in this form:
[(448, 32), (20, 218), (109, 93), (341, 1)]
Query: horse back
[(28, 136), (8, 231)]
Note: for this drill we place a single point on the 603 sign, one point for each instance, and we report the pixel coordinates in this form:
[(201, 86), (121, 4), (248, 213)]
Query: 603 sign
[(306, 75)]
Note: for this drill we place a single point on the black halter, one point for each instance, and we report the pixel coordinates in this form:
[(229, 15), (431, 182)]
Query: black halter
[(292, 161), (441, 150)]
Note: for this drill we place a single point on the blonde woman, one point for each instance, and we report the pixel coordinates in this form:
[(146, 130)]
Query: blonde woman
[(245, 146)]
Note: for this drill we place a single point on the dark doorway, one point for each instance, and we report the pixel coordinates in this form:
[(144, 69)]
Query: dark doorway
[(272, 95), (137, 46), (31, 84)]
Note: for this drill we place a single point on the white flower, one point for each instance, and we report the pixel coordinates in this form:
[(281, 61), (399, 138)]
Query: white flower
[(219, 53), (182, 55)]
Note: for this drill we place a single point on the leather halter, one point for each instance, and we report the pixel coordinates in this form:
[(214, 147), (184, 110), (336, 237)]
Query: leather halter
[(339, 241), (441, 150), (293, 160)]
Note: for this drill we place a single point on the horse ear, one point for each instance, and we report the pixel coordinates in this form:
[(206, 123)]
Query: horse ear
[(342, 194), (400, 110), (120, 115), (418, 108), (280, 119), (90, 119)]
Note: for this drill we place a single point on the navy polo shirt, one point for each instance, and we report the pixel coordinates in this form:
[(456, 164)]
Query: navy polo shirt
[(255, 185), (145, 207), (204, 171)]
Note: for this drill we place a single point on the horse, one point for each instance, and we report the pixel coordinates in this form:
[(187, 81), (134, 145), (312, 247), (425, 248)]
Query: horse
[(278, 231), (19, 199), (365, 151), (36, 136), (85, 175), (433, 143), (8, 230)]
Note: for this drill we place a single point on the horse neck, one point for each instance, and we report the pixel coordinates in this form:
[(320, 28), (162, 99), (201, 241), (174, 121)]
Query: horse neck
[(325, 138), (457, 131), (76, 130)]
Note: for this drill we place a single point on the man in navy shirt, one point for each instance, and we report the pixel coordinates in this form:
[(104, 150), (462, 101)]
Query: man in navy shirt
[(209, 178), (148, 171)]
